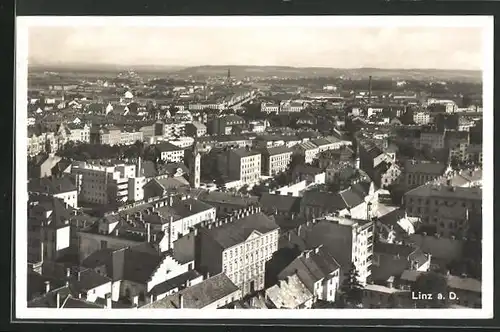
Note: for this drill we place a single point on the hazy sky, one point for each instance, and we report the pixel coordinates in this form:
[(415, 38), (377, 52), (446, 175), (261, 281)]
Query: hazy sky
[(433, 47)]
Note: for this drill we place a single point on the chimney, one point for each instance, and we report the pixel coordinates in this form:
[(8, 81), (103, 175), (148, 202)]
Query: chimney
[(108, 301), (170, 200), (307, 254), (148, 232), (58, 300), (316, 250), (135, 300), (42, 250), (47, 286), (181, 301), (68, 272), (190, 207), (281, 283), (207, 276), (78, 275)]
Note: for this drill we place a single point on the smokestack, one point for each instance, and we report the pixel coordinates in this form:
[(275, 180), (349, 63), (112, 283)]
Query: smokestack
[(148, 232), (369, 90), (138, 171), (181, 301), (42, 250)]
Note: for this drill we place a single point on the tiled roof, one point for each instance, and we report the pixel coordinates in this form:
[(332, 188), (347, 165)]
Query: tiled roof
[(289, 293), (198, 296), (311, 266), (218, 197), (277, 150), (321, 141), (167, 147), (426, 167), (237, 231), (431, 190), (125, 264), (181, 209), (175, 282), (60, 214), (52, 186), (331, 201), (280, 203), (243, 152), (71, 302)]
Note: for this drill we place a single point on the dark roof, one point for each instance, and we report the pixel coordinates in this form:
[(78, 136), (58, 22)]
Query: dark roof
[(237, 231), (51, 186), (175, 282), (60, 215), (71, 302), (328, 200), (393, 249), (307, 169), (427, 167), (200, 295), (277, 150), (166, 147), (184, 248), (218, 197), (89, 279), (182, 209), (311, 266), (244, 152), (272, 202), (125, 264)]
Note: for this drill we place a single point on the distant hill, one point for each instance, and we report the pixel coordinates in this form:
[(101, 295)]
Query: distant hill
[(355, 73)]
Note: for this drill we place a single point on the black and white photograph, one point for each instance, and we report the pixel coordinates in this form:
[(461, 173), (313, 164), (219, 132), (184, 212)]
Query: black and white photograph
[(332, 164)]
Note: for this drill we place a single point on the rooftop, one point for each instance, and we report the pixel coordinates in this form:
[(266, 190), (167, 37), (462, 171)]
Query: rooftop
[(444, 191), (238, 230), (198, 296), (52, 186)]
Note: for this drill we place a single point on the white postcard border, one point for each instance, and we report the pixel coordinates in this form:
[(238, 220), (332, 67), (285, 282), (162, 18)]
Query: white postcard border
[(24, 23)]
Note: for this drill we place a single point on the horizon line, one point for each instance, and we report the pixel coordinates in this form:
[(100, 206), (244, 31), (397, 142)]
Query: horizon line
[(239, 65)]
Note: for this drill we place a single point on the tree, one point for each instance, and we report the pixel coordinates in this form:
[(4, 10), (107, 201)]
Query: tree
[(351, 288), (430, 284)]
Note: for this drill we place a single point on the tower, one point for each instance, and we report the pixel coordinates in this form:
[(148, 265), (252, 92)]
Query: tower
[(369, 90), (194, 164)]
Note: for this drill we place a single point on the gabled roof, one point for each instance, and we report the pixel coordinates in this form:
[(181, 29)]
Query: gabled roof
[(175, 282), (237, 231), (289, 293), (52, 186), (280, 203), (311, 266), (125, 264), (198, 296), (327, 200)]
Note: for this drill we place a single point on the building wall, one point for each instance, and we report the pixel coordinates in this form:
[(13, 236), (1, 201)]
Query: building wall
[(246, 262), (168, 269), (99, 292), (173, 156), (70, 198), (440, 248), (91, 242)]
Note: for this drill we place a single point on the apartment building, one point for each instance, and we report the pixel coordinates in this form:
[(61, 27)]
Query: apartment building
[(447, 208), (107, 184), (347, 240), (196, 129), (79, 133), (269, 108), (418, 172), (276, 160), (244, 165), (63, 188), (224, 125), (432, 139), (170, 153), (308, 150), (421, 117), (172, 215), (239, 246), (318, 270), (182, 142), (129, 136)]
